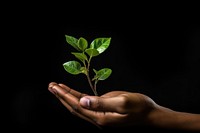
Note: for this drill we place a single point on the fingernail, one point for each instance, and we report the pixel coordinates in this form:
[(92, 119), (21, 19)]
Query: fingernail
[(52, 90), (85, 102)]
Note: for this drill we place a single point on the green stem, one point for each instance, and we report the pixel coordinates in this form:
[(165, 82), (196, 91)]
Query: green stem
[(95, 87)]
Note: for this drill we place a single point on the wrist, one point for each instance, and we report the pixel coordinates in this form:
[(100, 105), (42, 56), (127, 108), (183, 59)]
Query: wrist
[(166, 118), (160, 117)]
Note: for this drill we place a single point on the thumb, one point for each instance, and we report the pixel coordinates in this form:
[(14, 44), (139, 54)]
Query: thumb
[(95, 103)]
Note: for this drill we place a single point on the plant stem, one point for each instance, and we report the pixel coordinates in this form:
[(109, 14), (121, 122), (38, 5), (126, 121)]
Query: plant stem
[(95, 87), (88, 78), (90, 83)]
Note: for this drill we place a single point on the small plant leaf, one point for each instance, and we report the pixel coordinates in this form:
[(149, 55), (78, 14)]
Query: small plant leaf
[(100, 44), (84, 70), (81, 56), (102, 74), (95, 71), (82, 44), (72, 41), (92, 52), (95, 77), (73, 67)]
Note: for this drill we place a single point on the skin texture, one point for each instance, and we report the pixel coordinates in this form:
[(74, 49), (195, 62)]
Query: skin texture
[(123, 109)]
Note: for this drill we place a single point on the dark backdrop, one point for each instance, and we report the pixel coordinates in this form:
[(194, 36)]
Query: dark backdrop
[(153, 53)]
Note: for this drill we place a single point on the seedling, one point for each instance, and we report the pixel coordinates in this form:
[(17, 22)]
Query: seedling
[(85, 53)]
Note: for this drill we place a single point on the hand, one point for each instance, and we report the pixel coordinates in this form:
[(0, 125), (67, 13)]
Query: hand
[(116, 108)]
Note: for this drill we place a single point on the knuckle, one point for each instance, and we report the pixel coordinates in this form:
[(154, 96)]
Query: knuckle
[(125, 101), (124, 105), (97, 104)]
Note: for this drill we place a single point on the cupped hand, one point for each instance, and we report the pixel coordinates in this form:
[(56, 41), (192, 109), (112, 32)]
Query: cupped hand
[(115, 108)]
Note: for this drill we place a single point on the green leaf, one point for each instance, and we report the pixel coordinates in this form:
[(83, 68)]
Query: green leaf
[(92, 52), (82, 44), (103, 74), (73, 67), (72, 41), (100, 44), (95, 71), (95, 77), (81, 56), (84, 70)]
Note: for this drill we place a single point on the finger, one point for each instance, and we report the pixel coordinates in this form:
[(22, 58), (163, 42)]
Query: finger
[(87, 118), (103, 118), (74, 108), (56, 89), (68, 100), (72, 91), (51, 84), (113, 94), (66, 105), (50, 87), (97, 118), (65, 95), (104, 104)]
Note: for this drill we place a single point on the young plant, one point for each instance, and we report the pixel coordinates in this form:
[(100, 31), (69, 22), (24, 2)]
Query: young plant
[(85, 53)]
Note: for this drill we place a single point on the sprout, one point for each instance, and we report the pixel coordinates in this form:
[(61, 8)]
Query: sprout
[(85, 52)]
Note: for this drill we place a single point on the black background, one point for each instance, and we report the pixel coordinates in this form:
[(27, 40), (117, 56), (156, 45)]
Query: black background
[(155, 52)]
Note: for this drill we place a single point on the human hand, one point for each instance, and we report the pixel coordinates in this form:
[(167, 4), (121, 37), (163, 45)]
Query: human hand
[(116, 108)]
